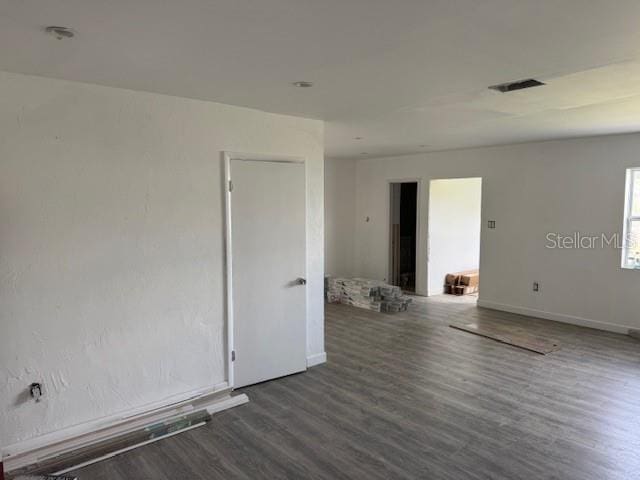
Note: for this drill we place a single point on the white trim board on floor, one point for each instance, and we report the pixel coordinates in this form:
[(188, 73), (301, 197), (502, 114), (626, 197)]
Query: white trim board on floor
[(224, 404), (124, 450), (557, 317), (61, 442)]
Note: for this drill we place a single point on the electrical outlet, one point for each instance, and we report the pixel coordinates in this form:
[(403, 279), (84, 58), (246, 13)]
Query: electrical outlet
[(35, 389), (491, 224), (536, 286)]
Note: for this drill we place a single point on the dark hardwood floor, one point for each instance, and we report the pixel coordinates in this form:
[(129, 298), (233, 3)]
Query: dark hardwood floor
[(405, 396)]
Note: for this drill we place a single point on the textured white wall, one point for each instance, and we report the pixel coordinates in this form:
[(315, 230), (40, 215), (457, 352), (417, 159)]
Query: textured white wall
[(529, 190), (454, 228), (111, 245), (340, 204)]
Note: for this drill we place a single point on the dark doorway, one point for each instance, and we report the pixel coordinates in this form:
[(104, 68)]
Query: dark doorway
[(404, 202)]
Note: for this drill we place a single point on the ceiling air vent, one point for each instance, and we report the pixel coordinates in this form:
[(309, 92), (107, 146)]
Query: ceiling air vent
[(519, 85)]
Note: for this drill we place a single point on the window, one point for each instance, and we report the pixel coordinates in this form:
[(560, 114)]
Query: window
[(631, 239)]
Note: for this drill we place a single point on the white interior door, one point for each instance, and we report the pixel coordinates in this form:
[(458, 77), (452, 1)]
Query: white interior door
[(268, 269)]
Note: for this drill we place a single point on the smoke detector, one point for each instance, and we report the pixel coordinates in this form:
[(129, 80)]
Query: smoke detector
[(60, 32), (303, 84)]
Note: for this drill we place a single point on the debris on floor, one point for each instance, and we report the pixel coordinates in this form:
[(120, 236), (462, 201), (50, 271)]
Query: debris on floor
[(45, 477), (365, 293), (111, 446), (511, 335), (462, 283)]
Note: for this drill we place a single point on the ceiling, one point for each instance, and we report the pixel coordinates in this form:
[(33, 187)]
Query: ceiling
[(405, 75)]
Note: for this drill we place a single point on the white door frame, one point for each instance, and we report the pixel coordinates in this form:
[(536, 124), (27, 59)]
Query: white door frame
[(227, 157), (419, 253)]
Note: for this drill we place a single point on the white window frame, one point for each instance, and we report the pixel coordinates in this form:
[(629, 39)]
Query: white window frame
[(628, 218)]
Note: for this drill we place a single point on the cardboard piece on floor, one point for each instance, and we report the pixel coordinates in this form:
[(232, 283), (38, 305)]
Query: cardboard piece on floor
[(511, 336)]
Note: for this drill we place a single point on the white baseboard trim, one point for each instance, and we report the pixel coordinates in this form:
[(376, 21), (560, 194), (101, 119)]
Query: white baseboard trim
[(227, 402), (317, 359), (557, 317), (213, 399)]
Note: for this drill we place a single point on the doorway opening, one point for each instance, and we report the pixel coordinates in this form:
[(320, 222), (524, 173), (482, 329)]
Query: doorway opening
[(403, 230), (454, 236)]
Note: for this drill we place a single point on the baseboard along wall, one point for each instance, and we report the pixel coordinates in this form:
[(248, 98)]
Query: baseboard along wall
[(557, 317)]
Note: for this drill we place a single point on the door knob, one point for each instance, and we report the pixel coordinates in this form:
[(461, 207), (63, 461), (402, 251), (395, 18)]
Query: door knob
[(301, 281)]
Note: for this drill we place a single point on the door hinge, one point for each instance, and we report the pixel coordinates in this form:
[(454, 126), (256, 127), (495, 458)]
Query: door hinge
[(233, 355), (230, 186)]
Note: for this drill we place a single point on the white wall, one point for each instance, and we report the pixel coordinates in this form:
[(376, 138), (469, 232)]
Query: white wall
[(111, 245), (454, 228), (340, 203), (529, 190)]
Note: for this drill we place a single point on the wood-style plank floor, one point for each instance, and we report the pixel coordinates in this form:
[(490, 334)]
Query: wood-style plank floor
[(404, 396)]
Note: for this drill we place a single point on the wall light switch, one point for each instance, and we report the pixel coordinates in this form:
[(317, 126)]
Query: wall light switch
[(491, 223)]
